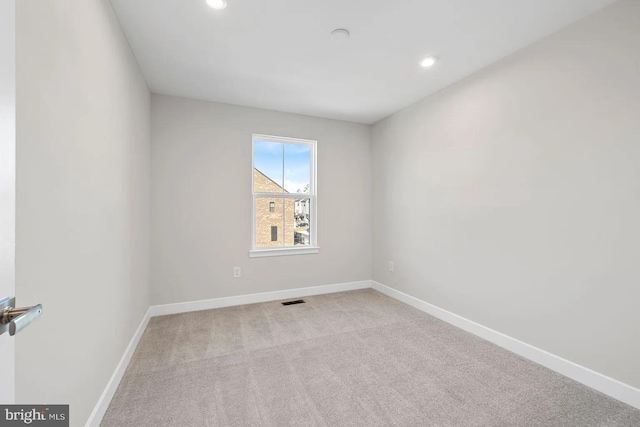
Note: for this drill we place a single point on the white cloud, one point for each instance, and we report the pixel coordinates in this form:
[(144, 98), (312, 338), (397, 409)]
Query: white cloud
[(293, 187)]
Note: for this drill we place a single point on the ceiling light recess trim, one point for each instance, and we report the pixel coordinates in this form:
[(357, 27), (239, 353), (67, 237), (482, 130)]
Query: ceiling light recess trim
[(217, 4), (428, 62)]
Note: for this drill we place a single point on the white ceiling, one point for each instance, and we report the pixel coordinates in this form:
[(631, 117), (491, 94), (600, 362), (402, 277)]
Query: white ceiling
[(277, 54)]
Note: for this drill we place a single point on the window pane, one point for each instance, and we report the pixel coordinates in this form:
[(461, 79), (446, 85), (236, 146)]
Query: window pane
[(301, 222), (269, 223), (268, 158), (297, 168)]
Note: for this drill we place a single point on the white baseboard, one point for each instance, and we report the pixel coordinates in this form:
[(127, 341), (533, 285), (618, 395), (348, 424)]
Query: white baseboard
[(207, 304), (609, 386), (103, 403)]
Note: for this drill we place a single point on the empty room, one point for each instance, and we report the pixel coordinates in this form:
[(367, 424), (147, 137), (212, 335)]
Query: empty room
[(319, 213)]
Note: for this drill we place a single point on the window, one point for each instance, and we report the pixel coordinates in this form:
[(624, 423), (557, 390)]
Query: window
[(284, 194)]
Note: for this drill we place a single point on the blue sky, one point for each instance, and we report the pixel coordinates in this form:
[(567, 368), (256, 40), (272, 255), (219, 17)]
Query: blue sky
[(268, 158)]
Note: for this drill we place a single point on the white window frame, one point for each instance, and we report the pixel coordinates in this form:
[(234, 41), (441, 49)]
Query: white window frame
[(313, 247)]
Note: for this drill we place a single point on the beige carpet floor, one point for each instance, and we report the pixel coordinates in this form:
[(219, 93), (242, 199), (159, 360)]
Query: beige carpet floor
[(354, 358)]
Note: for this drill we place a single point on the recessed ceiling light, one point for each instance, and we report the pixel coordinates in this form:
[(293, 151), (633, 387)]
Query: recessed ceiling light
[(217, 4), (340, 35), (428, 62)]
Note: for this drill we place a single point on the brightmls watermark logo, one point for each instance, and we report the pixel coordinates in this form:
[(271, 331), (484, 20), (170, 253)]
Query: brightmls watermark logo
[(34, 415)]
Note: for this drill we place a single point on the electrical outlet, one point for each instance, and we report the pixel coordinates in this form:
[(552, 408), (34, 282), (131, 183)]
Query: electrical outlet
[(237, 272), (391, 266)]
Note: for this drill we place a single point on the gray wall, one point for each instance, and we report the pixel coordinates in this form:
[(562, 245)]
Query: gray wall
[(512, 198), (7, 185), (201, 201), (83, 177)]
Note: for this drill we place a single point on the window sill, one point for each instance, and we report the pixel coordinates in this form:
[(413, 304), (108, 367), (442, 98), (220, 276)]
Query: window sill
[(258, 253)]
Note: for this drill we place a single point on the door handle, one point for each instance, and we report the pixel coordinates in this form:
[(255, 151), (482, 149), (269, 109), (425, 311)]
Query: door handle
[(16, 319)]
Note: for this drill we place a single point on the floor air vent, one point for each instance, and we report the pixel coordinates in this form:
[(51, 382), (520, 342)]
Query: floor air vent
[(298, 301)]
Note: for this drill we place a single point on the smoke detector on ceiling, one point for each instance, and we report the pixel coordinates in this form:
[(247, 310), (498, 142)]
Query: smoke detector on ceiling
[(340, 35)]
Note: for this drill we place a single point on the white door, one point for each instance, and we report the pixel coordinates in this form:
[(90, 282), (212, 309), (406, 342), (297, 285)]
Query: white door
[(7, 187)]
